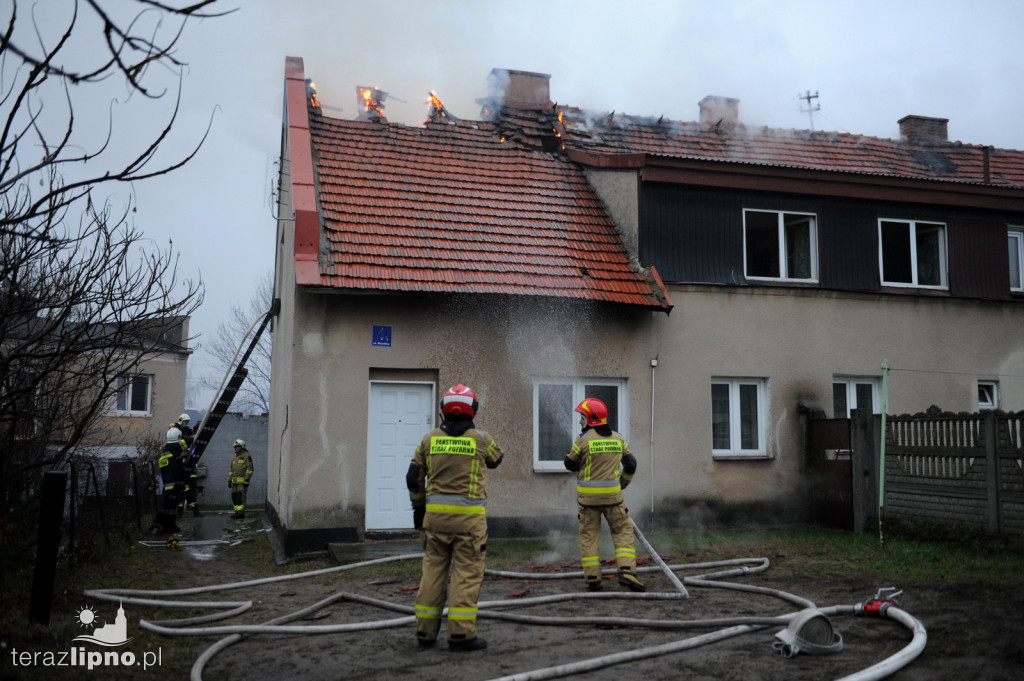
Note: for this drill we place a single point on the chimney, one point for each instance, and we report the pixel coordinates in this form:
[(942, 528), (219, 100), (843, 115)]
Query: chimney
[(923, 128), (521, 89), (715, 110)]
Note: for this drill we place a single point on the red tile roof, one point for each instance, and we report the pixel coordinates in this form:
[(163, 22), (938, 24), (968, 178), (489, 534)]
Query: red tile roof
[(450, 207), (832, 152), (497, 207)]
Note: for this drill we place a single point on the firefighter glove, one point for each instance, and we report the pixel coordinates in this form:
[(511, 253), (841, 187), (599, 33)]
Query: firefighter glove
[(417, 516)]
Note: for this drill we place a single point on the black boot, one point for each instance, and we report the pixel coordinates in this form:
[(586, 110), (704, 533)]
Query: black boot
[(464, 646)]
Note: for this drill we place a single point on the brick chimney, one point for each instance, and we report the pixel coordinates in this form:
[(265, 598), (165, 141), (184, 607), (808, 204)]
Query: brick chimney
[(715, 110), (923, 128), (521, 89)]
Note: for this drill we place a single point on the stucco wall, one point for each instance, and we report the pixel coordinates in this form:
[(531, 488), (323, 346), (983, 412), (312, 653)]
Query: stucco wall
[(283, 325), (796, 339), (495, 346), (618, 190)]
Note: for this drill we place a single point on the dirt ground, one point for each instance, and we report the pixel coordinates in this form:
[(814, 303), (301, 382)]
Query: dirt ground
[(973, 633)]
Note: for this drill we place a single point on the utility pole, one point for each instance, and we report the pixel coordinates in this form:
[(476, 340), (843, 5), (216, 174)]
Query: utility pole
[(807, 96)]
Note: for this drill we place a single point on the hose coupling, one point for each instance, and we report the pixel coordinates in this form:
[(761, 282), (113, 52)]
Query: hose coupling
[(884, 599)]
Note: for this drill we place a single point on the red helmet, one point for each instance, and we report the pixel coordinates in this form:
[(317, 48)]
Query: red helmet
[(594, 410), (459, 400)]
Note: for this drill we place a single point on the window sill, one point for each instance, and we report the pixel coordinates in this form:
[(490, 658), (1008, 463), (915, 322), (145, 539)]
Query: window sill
[(545, 471), (740, 457)]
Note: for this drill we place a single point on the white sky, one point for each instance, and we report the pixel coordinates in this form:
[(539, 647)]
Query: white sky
[(871, 62)]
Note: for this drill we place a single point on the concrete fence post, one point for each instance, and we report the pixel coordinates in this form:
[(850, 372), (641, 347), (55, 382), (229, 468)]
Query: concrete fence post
[(992, 473), (865, 450)]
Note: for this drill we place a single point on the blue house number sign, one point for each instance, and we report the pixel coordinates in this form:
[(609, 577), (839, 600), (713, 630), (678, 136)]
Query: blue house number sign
[(382, 335)]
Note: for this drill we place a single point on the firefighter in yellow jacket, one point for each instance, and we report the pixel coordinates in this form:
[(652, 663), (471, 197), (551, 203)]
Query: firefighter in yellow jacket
[(239, 475), (447, 483), (604, 467)]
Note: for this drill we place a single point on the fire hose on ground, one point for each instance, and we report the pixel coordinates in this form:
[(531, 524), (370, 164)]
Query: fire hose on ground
[(808, 618)]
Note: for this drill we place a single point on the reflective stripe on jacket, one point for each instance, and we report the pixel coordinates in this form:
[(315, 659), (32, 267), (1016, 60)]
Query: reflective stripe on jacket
[(240, 471), (451, 471), (599, 479)]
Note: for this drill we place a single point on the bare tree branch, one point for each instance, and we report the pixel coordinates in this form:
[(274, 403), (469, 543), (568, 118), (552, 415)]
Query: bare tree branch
[(85, 298), (254, 395)]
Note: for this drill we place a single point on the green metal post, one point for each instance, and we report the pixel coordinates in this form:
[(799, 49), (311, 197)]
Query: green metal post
[(881, 456)]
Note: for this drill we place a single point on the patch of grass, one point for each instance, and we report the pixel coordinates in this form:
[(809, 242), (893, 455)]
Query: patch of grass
[(911, 554)]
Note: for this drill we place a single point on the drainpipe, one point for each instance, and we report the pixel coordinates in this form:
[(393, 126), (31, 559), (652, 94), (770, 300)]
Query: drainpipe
[(654, 364)]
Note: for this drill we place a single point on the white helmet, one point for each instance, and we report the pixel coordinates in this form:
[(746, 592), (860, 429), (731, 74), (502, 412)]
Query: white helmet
[(239, 443), (184, 418)]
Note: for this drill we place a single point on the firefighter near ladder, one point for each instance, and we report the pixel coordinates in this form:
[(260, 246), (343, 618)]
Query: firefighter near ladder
[(239, 475), (185, 446), (173, 455)]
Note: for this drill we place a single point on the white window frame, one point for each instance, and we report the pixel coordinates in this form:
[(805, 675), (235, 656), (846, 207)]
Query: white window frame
[(988, 395), (735, 449), (912, 226), (126, 381), (571, 418), (1015, 239), (782, 249), (851, 383)]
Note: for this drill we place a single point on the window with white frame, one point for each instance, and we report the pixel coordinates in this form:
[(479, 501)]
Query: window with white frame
[(780, 245), (1016, 244), (988, 395), (133, 395), (854, 392), (739, 417), (556, 424), (912, 253)]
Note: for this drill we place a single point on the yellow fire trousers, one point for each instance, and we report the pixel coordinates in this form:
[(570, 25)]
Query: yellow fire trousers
[(238, 494), (455, 544), (621, 527)]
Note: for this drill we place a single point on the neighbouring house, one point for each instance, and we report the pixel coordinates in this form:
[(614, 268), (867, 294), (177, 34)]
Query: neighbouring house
[(714, 283), (149, 399), (97, 393)]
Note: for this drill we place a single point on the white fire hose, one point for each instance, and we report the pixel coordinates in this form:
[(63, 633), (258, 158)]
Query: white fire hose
[(727, 627)]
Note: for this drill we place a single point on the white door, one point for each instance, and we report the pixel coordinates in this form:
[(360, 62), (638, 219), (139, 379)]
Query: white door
[(400, 415)]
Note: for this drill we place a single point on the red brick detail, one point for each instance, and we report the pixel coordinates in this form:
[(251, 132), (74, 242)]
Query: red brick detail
[(307, 217)]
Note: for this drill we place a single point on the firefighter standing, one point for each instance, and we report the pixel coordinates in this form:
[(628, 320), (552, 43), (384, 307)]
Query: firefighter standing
[(447, 487), (596, 457), (188, 495), (239, 475), (172, 472)]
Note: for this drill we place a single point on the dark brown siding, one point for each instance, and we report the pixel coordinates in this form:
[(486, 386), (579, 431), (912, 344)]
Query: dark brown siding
[(978, 258), (695, 235)]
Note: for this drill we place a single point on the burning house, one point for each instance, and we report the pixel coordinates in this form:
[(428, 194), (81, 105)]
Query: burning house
[(714, 283)]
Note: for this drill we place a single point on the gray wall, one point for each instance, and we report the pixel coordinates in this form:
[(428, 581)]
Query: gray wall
[(253, 430)]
